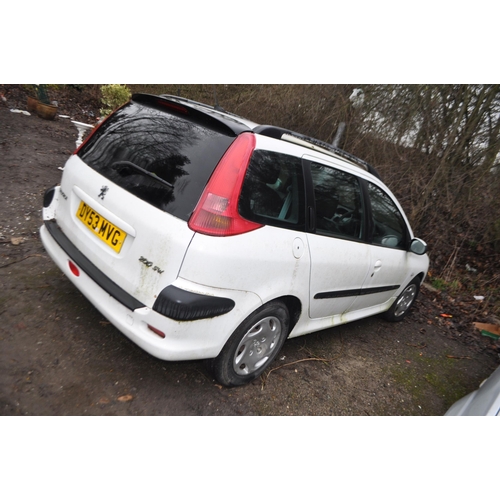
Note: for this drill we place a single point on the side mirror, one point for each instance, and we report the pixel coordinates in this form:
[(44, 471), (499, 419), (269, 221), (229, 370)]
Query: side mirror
[(418, 246)]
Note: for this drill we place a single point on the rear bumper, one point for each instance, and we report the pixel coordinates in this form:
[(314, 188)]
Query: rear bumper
[(184, 340), (172, 302), (85, 265)]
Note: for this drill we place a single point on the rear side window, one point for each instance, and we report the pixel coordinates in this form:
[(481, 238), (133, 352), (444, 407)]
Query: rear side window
[(389, 227), (139, 143), (339, 203), (273, 191)]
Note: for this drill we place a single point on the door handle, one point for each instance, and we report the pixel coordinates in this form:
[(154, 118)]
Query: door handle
[(377, 265)]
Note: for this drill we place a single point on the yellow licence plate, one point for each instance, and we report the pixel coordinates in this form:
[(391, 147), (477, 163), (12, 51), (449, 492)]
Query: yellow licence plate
[(111, 235)]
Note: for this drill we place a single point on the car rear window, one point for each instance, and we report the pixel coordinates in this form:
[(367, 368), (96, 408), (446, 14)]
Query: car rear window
[(162, 157)]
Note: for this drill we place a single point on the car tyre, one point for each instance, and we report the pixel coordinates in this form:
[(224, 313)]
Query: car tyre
[(402, 305), (253, 346)]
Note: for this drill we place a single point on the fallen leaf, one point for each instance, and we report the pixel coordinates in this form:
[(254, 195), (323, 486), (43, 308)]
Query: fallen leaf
[(16, 240), (126, 398)]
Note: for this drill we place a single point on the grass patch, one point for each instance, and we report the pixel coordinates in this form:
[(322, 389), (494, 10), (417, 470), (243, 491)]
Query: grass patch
[(449, 286), (432, 384)]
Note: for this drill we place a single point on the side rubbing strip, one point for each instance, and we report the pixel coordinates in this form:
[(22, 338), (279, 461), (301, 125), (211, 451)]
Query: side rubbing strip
[(355, 293)]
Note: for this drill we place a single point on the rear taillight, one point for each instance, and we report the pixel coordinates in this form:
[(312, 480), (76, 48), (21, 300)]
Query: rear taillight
[(217, 211)]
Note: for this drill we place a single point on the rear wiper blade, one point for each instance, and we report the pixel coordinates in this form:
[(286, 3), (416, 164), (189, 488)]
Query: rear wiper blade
[(143, 171)]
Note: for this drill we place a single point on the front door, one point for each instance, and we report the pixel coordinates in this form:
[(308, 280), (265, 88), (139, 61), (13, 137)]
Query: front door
[(389, 269)]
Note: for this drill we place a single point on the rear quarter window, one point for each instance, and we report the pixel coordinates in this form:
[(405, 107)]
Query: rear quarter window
[(273, 191), (172, 147)]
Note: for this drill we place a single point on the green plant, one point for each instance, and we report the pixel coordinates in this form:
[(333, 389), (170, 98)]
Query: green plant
[(31, 90), (113, 96), (438, 283), (450, 286), (76, 86), (41, 91)]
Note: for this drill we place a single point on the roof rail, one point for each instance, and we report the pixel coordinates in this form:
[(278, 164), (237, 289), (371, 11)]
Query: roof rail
[(314, 144)]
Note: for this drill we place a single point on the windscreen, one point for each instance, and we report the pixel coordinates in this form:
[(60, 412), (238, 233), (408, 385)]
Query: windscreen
[(161, 157)]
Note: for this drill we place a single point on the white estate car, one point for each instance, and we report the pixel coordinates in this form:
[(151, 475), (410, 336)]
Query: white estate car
[(202, 235)]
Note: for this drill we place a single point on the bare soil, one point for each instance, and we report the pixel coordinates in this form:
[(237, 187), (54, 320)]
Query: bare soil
[(59, 356)]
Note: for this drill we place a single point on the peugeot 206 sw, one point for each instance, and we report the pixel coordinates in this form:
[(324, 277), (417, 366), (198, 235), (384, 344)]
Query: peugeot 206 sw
[(202, 235)]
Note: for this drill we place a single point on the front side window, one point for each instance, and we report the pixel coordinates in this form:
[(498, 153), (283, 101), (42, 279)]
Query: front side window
[(273, 191), (389, 227), (339, 206)]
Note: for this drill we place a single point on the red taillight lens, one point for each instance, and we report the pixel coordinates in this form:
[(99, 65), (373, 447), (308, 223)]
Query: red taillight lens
[(217, 211)]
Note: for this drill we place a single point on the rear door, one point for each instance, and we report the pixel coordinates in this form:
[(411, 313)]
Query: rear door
[(340, 258)]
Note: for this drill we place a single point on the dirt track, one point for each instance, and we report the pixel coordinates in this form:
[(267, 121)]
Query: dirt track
[(58, 355)]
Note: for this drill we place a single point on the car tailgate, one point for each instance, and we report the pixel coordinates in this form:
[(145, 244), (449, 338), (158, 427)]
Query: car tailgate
[(119, 233)]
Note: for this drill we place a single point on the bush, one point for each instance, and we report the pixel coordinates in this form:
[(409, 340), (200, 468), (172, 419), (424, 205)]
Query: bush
[(113, 96)]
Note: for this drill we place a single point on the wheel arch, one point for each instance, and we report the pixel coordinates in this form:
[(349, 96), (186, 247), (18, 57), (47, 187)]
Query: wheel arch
[(421, 277), (253, 346), (294, 307)]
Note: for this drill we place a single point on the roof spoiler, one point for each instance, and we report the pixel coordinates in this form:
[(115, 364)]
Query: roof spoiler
[(201, 113)]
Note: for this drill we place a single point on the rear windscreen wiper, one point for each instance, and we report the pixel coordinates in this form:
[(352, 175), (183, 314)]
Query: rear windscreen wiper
[(143, 171)]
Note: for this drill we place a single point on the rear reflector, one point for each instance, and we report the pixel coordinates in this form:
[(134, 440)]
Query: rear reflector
[(158, 332), (74, 269)]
